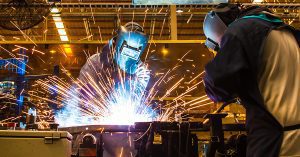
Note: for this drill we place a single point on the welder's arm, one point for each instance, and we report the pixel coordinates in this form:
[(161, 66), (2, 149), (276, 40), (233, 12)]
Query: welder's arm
[(88, 76), (223, 74), (143, 77), (88, 71)]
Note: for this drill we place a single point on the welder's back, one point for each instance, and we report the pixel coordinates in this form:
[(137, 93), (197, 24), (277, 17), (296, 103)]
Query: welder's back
[(279, 84)]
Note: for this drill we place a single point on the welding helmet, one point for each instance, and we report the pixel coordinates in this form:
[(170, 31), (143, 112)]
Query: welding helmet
[(216, 22), (130, 44)]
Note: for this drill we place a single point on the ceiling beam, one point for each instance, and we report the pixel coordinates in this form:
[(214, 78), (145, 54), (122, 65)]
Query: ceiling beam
[(173, 22), (130, 6), (99, 42), (127, 5)]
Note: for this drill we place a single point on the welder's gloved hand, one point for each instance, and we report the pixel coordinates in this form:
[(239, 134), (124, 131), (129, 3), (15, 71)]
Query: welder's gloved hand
[(143, 77)]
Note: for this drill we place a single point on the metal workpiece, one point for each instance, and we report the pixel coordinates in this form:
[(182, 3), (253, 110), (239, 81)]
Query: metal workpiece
[(157, 138), (89, 146)]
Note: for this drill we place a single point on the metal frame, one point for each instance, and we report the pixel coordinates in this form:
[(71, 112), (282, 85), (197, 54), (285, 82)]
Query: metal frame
[(99, 42), (131, 6)]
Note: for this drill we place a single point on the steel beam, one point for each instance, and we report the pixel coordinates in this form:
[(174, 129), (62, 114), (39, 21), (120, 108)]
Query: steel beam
[(201, 6), (99, 42), (173, 22), (131, 6)]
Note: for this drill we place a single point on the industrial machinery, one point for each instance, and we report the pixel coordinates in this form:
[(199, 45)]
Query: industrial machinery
[(143, 139), (161, 139)]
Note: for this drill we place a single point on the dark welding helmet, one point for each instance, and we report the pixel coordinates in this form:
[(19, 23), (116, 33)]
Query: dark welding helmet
[(131, 42), (216, 22)]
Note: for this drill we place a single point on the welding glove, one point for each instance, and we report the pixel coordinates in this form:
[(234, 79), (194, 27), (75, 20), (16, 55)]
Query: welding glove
[(142, 78)]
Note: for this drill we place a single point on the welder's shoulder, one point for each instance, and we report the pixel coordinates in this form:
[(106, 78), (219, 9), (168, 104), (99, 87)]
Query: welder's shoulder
[(105, 53), (94, 60), (95, 57), (244, 26)]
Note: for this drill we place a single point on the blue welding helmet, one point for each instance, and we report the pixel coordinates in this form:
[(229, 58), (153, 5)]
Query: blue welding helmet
[(216, 23), (130, 45)]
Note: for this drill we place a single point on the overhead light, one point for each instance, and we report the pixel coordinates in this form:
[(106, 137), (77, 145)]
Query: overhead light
[(62, 32), (56, 18), (179, 11), (64, 38), (164, 51), (68, 50), (59, 25), (16, 38), (54, 10), (55, 15), (52, 51), (257, 1), (66, 45)]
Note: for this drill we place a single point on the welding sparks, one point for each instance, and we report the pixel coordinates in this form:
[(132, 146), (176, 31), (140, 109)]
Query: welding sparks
[(35, 50), (105, 101), (102, 103), (95, 103)]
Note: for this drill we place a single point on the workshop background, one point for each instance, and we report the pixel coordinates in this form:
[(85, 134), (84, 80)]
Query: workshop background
[(48, 42)]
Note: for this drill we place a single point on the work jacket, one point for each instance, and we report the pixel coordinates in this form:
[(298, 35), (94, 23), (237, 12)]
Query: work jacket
[(259, 62)]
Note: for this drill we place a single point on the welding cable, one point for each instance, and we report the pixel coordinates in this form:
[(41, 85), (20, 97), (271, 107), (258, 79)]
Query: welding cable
[(144, 133)]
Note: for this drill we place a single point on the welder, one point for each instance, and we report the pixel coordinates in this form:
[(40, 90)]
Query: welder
[(121, 56), (119, 66), (257, 60)]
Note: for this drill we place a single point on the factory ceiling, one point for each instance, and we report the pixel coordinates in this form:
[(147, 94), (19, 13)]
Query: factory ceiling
[(96, 21)]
